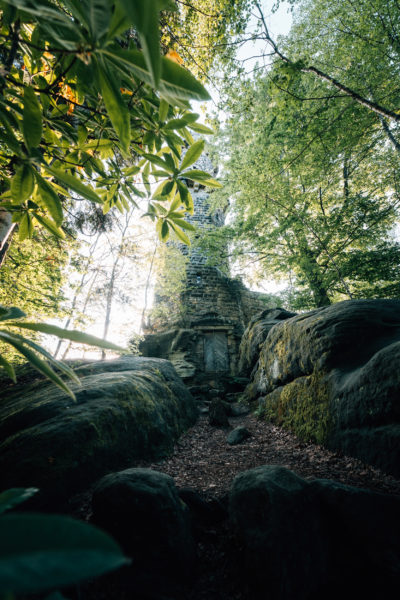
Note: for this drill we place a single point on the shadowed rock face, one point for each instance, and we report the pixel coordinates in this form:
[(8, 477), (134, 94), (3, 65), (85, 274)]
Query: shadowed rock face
[(126, 409), (333, 376), (142, 510), (312, 540)]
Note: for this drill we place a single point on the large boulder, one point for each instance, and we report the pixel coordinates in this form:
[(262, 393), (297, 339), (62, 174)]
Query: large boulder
[(142, 510), (333, 376), (125, 409), (278, 520), (318, 539), (256, 333)]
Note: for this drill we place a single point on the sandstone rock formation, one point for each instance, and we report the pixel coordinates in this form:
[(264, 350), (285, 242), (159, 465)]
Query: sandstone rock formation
[(142, 510), (333, 376), (256, 333), (318, 539), (126, 409)]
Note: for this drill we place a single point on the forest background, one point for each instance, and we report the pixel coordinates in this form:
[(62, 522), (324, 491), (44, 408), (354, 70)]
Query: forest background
[(307, 145)]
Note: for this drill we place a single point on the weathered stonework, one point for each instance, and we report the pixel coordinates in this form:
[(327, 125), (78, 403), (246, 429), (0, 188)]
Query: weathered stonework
[(200, 331)]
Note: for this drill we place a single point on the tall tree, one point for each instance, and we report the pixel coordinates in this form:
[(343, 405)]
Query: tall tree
[(307, 199)]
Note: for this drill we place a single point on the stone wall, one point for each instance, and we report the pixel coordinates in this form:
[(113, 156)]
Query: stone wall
[(200, 328)]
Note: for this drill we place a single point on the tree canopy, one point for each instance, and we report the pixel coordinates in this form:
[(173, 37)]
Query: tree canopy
[(312, 173)]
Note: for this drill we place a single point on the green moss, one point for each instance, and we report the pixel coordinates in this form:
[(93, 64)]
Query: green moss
[(303, 407)]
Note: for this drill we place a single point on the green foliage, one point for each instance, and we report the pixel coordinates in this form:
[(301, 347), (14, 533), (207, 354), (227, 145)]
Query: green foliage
[(35, 354), (85, 92), (77, 95), (200, 33), (44, 552), (312, 175)]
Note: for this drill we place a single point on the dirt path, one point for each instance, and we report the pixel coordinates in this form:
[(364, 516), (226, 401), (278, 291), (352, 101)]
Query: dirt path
[(203, 460)]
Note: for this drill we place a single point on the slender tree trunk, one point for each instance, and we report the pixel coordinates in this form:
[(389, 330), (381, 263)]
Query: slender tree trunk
[(110, 295), (88, 296), (312, 272), (146, 291), (77, 292)]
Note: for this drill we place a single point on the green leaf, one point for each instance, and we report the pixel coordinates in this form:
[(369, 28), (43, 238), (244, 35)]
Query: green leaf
[(119, 22), (25, 227), (32, 119), (134, 170), (63, 367), (69, 334), (98, 13), (163, 110), (15, 496), (192, 154), (36, 362), (116, 108), (159, 191), (73, 183), (181, 235), (212, 183), (157, 160), (187, 135), (49, 225), (178, 82), (164, 231), (175, 80), (22, 183), (200, 128), (42, 552), (176, 202), (201, 177), (9, 369), (174, 124), (183, 224), (50, 199), (145, 17)]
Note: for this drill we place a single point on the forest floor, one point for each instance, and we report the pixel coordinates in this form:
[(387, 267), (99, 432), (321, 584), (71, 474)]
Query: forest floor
[(204, 461)]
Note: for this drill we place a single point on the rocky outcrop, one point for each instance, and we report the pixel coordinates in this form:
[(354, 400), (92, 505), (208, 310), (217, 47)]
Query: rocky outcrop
[(142, 510), (333, 376), (125, 409), (312, 540), (256, 333)]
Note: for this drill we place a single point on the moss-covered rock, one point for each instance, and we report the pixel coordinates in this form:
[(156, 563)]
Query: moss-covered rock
[(256, 333), (333, 376), (125, 409)]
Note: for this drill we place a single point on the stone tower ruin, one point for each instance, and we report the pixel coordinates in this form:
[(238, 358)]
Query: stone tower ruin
[(202, 339)]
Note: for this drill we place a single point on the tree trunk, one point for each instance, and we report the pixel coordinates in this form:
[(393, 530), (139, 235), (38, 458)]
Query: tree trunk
[(312, 272), (6, 231)]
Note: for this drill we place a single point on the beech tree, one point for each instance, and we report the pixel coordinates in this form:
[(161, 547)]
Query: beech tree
[(308, 201)]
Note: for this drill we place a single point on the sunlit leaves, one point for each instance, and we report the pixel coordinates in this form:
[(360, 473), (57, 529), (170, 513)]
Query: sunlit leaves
[(175, 81), (36, 354), (192, 154)]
